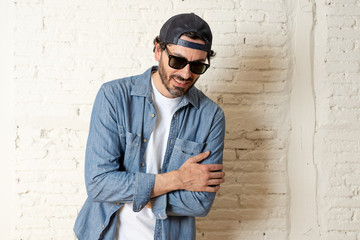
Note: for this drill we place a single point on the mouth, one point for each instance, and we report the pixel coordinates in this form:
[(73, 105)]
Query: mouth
[(181, 82)]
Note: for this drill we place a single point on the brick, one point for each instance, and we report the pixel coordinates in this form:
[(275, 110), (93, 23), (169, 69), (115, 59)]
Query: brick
[(341, 214), (262, 5), (203, 4), (260, 28), (255, 64), (261, 135), (30, 222), (340, 191), (330, 2), (276, 17), (227, 63), (252, 166), (262, 177), (333, 67), (251, 16), (260, 154), (341, 45), (340, 21), (353, 77), (345, 235), (346, 203), (240, 87), (344, 101), (61, 223), (223, 16), (243, 144), (344, 10), (224, 51), (279, 63), (349, 89), (216, 75), (344, 56), (263, 51), (263, 76), (274, 87), (265, 40), (343, 33), (242, 214), (345, 226)]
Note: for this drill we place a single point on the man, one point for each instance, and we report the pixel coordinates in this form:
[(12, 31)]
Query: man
[(154, 151)]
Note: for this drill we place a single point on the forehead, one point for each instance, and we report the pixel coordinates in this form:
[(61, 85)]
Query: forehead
[(189, 53)]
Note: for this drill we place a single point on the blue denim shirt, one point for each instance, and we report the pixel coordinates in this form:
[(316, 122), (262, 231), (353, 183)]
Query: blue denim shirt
[(122, 120)]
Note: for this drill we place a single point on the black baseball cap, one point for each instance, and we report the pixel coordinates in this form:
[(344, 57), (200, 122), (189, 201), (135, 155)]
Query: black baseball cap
[(177, 25)]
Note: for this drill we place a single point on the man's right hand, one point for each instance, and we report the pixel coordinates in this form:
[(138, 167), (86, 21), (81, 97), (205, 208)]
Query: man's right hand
[(191, 176), (200, 177)]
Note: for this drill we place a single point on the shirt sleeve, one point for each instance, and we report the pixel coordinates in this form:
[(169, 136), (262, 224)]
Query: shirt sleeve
[(103, 160), (188, 203)]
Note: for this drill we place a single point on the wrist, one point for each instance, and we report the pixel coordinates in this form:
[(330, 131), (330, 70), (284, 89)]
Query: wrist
[(176, 180), (166, 182)]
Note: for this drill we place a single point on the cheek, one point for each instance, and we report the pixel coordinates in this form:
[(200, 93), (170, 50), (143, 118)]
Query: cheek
[(195, 76)]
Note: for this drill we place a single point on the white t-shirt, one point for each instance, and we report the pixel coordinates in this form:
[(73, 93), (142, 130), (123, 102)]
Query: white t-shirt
[(140, 225)]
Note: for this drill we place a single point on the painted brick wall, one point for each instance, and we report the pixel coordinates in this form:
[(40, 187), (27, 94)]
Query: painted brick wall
[(337, 144), (64, 50)]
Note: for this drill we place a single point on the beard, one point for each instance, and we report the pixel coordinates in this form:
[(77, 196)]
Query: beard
[(174, 90)]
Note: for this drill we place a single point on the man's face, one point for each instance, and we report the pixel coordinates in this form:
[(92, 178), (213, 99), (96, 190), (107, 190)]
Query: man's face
[(176, 82)]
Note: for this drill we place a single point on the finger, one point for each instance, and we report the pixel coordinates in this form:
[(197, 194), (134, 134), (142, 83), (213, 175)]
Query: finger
[(214, 175), (199, 157), (215, 182), (214, 167), (211, 189)]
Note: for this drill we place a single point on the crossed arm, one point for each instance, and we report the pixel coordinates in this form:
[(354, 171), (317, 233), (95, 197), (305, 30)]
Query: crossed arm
[(191, 176), (184, 191)]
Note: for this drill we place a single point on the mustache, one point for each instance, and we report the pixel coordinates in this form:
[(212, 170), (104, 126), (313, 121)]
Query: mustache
[(190, 79)]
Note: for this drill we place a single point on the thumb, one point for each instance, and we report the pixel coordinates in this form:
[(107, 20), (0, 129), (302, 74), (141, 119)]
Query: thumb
[(199, 157)]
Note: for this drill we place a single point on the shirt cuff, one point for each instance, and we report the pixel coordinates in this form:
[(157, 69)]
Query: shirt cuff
[(159, 205), (144, 186)]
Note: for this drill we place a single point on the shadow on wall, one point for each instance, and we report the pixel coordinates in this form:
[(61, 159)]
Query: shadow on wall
[(252, 203)]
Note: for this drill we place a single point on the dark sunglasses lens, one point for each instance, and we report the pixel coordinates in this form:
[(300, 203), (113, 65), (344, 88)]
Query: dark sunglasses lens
[(177, 62), (198, 68)]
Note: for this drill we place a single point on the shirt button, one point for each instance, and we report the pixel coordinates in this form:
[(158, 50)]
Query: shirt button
[(142, 164), (144, 140), (152, 115), (103, 226)]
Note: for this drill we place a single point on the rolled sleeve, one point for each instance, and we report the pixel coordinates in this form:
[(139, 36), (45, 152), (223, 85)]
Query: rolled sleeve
[(105, 182), (144, 185)]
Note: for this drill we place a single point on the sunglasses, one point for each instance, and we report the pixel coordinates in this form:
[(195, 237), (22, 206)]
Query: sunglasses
[(180, 62)]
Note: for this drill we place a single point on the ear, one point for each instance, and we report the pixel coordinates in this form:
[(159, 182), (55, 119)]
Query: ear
[(157, 52)]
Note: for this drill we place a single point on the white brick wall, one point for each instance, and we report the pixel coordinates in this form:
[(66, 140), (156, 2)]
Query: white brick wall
[(337, 145), (286, 73)]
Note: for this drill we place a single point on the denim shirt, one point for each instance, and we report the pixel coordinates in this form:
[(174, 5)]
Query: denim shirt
[(122, 120)]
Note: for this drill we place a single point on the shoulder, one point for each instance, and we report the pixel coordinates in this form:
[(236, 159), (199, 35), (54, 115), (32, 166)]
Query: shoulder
[(207, 105), (132, 85)]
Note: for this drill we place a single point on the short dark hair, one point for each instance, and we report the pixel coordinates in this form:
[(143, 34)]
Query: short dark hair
[(192, 35)]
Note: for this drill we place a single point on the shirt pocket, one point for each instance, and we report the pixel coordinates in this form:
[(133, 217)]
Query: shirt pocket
[(183, 150), (129, 145)]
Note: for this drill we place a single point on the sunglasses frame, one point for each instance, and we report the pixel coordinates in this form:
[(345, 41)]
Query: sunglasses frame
[(187, 62)]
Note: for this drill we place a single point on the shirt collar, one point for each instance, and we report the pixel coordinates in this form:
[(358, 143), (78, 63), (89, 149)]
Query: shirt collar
[(141, 87)]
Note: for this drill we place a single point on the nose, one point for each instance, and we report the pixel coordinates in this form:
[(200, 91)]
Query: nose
[(185, 72)]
